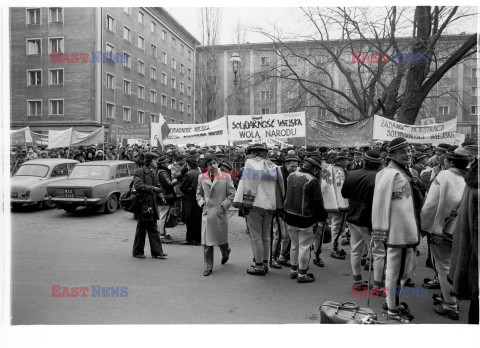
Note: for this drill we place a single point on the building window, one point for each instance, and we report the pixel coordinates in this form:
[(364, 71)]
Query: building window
[(182, 69), (153, 96), (182, 49), (164, 35), (55, 14), (110, 81), (34, 77), (110, 23), (110, 110), (189, 109), (55, 44), (141, 43), (265, 60), (154, 51), (475, 91), (33, 16), (181, 107), (34, 46), (189, 91), (141, 67), (127, 87), (164, 57), (173, 104), (56, 107), (189, 55), (127, 10), (174, 83), (153, 27), (474, 110), (140, 17), (189, 73), (265, 77), (141, 92), (322, 112), (265, 95), (127, 115), (174, 42), (154, 118), (174, 64), (164, 78), (56, 77), (164, 100), (34, 107), (443, 110), (182, 87), (172, 120), (141, 117), (474, 73), (110, 51), (127, 34), (126, 60), (153, 73), (265, 111)]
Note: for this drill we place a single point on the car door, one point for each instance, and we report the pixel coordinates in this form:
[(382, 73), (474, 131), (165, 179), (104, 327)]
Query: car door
[(122, 178)]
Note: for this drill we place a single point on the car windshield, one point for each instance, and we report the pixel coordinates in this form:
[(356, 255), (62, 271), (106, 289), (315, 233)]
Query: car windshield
[(37, 170), (90, 172)]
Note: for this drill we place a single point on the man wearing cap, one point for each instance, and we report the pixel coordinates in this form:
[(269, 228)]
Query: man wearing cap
[(147, 215), (332, 181), (167, 184), (193, 213), (303, 207), (439, 151), (420, 161), (397, 202), (260, 194), (442, 201), (357, 161), (280, 235), (359, 187), (430, 173)]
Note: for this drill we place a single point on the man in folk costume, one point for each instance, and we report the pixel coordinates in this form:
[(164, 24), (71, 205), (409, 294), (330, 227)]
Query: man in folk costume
[(215, 192), (303, 208), (397, 202), (435, 160), (280, 234), (260, 194), (437, 216), (332, 181), (359, 187)]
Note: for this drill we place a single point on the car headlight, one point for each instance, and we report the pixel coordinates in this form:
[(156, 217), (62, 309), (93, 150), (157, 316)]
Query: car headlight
[(27, 194), (87, 193)]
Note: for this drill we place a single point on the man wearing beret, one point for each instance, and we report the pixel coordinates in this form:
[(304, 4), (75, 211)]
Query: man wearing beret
[(397, 202), (144, 183)]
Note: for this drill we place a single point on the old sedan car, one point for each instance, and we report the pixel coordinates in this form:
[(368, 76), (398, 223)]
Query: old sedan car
[(96, 184), (29, 184)]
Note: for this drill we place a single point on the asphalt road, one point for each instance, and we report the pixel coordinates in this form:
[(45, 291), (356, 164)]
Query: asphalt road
[(52, 247)]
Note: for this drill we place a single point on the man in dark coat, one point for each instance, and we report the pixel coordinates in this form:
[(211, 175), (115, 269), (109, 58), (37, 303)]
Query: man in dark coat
[(357, 161), (193, 213), (358, 188), (147, 215)]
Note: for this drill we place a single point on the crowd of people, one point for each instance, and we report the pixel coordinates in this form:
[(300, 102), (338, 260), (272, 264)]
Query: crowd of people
[(381, 201)]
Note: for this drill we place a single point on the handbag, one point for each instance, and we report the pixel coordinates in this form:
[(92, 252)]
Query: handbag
[(129, 200), (343, 313)]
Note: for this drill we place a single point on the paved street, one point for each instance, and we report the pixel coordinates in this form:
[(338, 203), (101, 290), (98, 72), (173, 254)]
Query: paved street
[(83, 249)]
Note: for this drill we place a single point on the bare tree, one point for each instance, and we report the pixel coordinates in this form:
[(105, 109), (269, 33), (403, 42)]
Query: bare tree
[(350, 44), (208, 104)]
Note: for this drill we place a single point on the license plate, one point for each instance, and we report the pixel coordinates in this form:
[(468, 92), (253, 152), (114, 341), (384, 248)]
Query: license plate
[(69, 194), (14, 195)]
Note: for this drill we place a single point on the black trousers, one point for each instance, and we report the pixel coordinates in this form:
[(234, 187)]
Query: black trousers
[(473, 312), (144, 227), (194, 228)]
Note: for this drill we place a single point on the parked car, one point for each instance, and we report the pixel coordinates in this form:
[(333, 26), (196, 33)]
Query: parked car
[(96, 184), (29, 184)]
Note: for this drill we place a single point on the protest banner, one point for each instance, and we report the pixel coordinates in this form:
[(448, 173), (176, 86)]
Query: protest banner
[(93, 138), (20, 136), (210, 133), (338, 135), (287, 125), (39, 139), (386, 129), (460, 138), (130, 131), (59, 138)]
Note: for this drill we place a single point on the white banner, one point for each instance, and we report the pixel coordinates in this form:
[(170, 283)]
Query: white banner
[(93, 138), (211, 133), (58, 139), (287, 125), (20, 132), (427, 121), (385, 129)]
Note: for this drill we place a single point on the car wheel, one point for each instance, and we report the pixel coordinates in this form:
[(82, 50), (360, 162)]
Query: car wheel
[(69, 209), (16, 206), (111, 204)]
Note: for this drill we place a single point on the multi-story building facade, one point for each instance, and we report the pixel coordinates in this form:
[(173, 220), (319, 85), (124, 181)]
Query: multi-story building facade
[(260, 91), (88, 67)]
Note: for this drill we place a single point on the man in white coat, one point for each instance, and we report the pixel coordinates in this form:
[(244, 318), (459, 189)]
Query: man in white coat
[(215, 193)]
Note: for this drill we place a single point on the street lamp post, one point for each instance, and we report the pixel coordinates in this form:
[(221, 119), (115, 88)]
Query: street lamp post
[(236, 61)]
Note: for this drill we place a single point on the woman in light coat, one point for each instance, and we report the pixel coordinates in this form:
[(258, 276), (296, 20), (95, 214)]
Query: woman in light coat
[(215, 193)]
